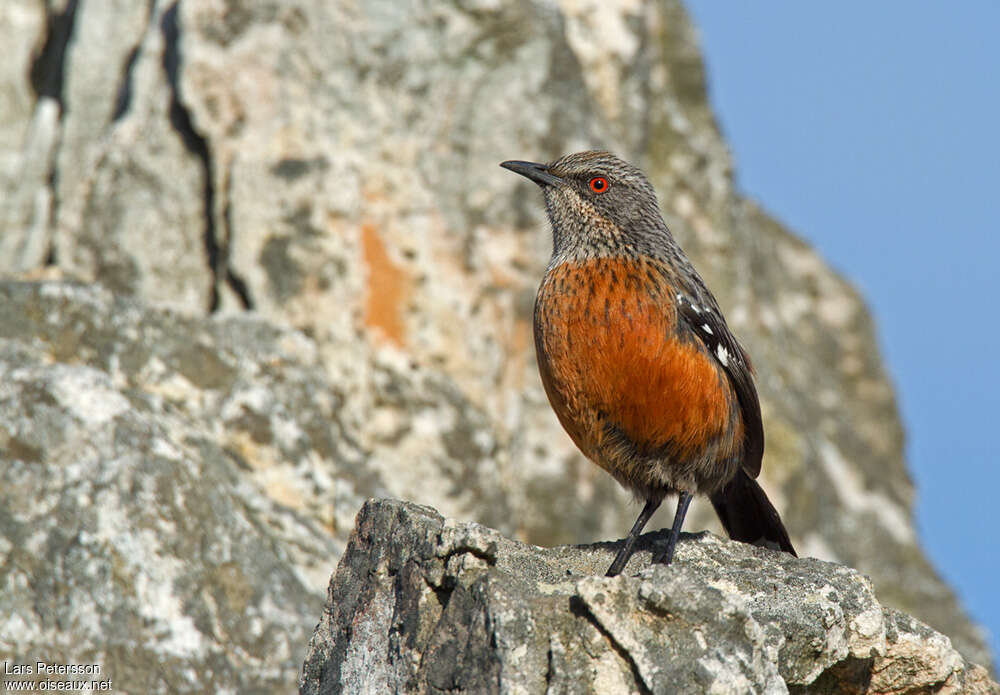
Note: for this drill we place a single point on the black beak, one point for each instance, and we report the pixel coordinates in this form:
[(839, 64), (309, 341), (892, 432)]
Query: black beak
[(539, 173)]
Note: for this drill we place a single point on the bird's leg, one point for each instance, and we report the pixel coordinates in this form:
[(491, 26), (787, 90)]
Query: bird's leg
[(621, 559), (667, 554)]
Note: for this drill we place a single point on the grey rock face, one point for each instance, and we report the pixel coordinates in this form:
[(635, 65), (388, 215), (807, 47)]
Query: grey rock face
[(423, 605), (333, 167), (132, 533)]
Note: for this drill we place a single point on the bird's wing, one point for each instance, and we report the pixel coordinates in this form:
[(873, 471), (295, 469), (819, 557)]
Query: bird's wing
[(703, 318)]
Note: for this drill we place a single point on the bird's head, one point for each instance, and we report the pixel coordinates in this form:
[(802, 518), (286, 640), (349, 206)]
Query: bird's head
[(596, 202)]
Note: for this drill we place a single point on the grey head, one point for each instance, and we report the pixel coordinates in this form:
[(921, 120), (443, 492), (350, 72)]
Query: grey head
[(598, 204)]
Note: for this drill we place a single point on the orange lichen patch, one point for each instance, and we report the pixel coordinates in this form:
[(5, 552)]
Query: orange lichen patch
[(610, 356), (387, 288)]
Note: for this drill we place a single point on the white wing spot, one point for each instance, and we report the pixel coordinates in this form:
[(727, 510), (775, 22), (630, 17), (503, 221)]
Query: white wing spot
[(707, 329), (723, 354)]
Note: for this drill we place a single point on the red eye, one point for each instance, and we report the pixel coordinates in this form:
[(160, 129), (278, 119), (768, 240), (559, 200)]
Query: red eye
[(598, 184)]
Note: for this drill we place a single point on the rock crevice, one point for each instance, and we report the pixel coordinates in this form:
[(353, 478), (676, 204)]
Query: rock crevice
[(216, 240)]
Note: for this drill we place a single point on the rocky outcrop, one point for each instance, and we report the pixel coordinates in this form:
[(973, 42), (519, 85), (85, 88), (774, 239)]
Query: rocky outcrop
[(424, 605), (133, 531), (293, 243)]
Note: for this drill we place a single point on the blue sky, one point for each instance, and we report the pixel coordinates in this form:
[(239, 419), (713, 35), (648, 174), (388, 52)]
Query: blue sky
[(871, 129)]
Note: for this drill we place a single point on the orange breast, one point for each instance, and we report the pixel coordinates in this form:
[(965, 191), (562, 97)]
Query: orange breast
[(610, 356)]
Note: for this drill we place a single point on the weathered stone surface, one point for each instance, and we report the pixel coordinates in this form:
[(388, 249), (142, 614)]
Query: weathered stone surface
[(95, 387), (419, 604), (258, 391), (29, 132), (132, 191), (133, 532), (334, 166)]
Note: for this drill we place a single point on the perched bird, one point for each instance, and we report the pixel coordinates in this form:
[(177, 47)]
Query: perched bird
[(636, 357)]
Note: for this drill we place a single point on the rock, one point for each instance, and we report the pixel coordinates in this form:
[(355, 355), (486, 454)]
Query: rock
[(132, 202), (29, 127), (132, 534), (420, 604), (208, 447), (313, 190)]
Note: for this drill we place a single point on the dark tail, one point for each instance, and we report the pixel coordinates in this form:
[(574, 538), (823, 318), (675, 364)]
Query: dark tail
[(749, 516)]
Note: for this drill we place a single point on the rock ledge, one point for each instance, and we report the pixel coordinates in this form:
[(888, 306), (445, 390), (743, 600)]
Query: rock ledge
[(420, 604)]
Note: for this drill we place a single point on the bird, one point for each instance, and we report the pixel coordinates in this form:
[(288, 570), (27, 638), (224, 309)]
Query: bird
[(636, 357)]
